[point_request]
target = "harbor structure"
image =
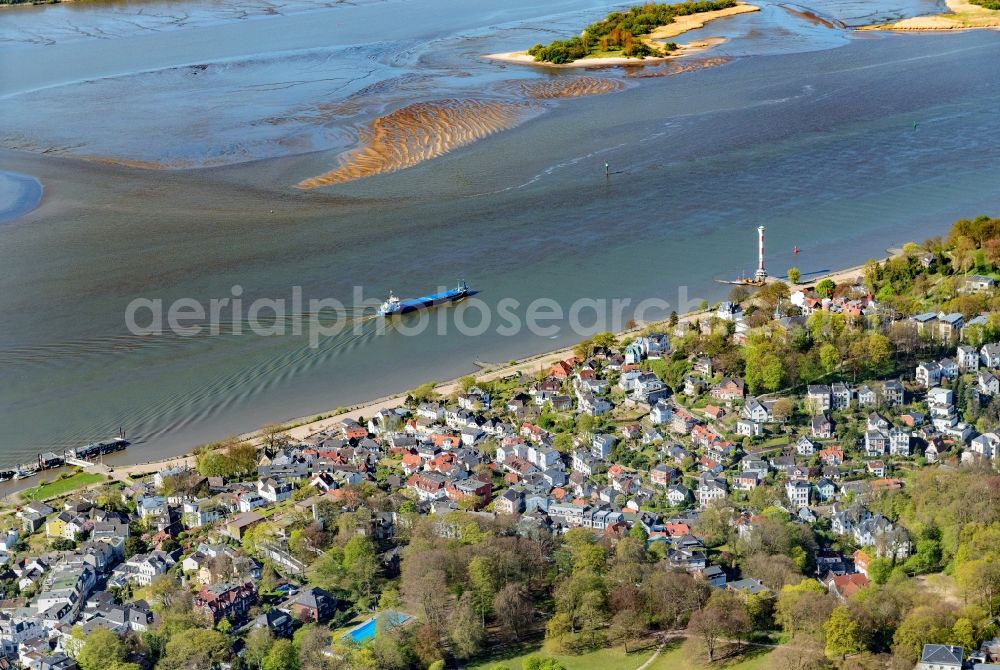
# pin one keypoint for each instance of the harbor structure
(761, 274)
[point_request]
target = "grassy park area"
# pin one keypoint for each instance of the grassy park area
(61, 486)
(675, 655)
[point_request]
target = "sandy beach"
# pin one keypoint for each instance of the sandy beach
(523, 58)
(561, 87)
(425, 130)
(963, 16)
(307, 426)
(656, 39)
(419, 132)
(683, 24)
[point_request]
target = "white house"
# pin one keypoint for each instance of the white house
(928, 374)
(989, 355)
(753, 410)
(949, 368)
(273, 490)
(899, 442)
(968, 358)
(678, 494)
(749, 428)
(986, 445)
(818, 397)
(988, 383)
(798, 492)
(841, 395)
(805, 447)
(661, 413)
(866, 396)
(710, 488)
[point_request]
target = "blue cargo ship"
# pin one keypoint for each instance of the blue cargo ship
(394, 305)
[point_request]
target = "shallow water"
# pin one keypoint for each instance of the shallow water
(19, 194)
(806, 129)
(199, 84)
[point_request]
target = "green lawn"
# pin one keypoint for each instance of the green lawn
(613, 658)
(62, 486)
(677, 657)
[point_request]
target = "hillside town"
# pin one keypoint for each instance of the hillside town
(779, 449)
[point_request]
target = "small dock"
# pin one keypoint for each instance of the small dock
(78, 462)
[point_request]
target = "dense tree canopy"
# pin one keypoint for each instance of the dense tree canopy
(622, 31)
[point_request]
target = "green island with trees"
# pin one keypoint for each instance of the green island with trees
(620, 33)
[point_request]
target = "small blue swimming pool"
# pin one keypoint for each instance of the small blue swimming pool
(366, 631)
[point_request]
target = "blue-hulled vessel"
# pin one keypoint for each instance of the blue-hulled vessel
(394, 305)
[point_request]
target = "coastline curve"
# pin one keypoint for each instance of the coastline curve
(20, 194)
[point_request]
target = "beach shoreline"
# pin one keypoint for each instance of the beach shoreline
(305, 426)
(963, 16)
(523, 58)
(656, 39)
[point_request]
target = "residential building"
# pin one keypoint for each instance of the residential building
(818, 397)
(989, 355)
(941, 657)
(899, 442)
(510, 501)
(949, 325)
(239, 524)
(805, 447)
(224, 601)
(841, 395)
(141, 569)
(755, 411)
(822, 427)
(928, 374)
(825, 489)
(968, 358)
(274, 491)
(866, 396)
(893, 393)
(798, 492)
(978, 283)
(987, 383)
(710, 488)
(730, 388)
(314, 604)
(678, 494)
(749, 428)
(279, 622)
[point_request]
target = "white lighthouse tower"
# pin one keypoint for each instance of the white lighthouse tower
(761, 274)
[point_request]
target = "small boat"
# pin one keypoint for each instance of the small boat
(5, 475)
(92, 451)
(24, 473)
(394, 305)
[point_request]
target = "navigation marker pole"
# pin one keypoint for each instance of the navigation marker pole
(607, 170)
(761, 274)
